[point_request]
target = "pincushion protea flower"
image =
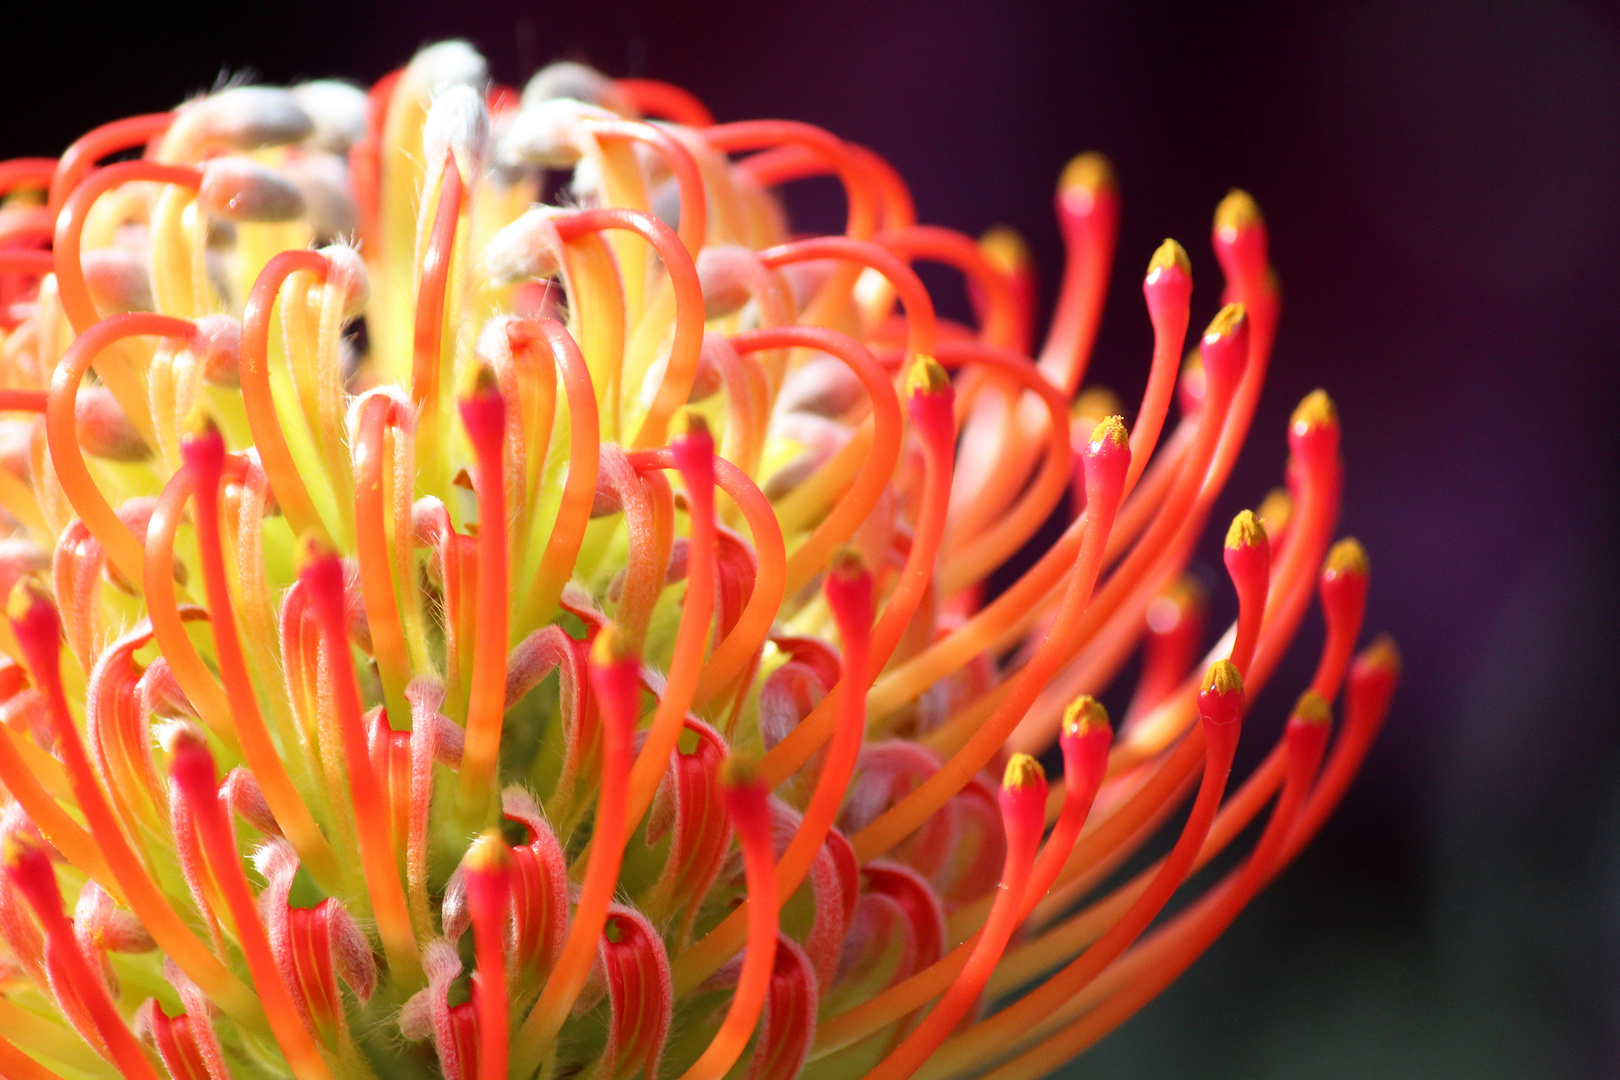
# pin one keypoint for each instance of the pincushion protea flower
(518, 638)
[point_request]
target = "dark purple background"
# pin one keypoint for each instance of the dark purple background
(1442, 182)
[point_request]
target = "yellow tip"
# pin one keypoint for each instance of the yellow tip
(1247, 530)
(738, 770)
(1095, 403)
(1226, 321)
(199, 422)
(927, 376)
(484, 380)
(1085, 713)
(15, 846)
(1382, 653)
(1023, 771)
(1313, 708)
(487, 852)
(1276, 510)
(314, 544)
(1170, 254)
(610, 647)
(847, 562)
(22, 598)
(687, 422)
(1237, 211)
(1006, 250)
(1222, 677)
(1346, 557)
(1090, 171)
(1112, 429)
(1316, 410)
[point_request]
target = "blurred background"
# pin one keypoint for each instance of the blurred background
(1442, 184)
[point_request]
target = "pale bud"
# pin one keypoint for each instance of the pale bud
(443, 65)
(323, 180)
(217, 346)
(567, 79)
(105, 430)
(527, 248)
(336, 109)
(723, 273)
(250, 117)
(457, 123)
(348, 272)
(547, 134)
(241, 189)
(119, 280)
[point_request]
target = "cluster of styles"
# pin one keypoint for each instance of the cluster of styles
(486, 599)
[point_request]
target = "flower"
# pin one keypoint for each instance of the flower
(486, 598)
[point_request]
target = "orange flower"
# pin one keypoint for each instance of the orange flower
(487, 599)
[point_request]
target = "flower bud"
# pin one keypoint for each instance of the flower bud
(1224, 349)
(575, 82)
(527, 248)
(1220, 695)
(249, 118)
(217, 345)
(442, 65)
(1168, 284)
(120, 280)
(241, 189)
(323, 182)
(337, 112)
(548, 134)
(723, 272)
(457, 125)
(346, 270)
(1313, 430)
(105, 431)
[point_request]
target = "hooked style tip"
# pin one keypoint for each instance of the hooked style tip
(1110, 433)
(487, 854)
(1022, 772)
(1383, 655)
(1006, 250)
(1169, 256)
(1276, 510)
(1237, 211)
(927, 376)
(1247, 530)
(1315, 412)
(1223, 679)
(1312, 708)
(1346, 557)
(1090, 171)
(1085, 713)
(1226, 323)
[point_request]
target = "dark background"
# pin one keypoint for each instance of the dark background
(1442, 183)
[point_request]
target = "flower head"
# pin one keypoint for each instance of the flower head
(487, 598)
